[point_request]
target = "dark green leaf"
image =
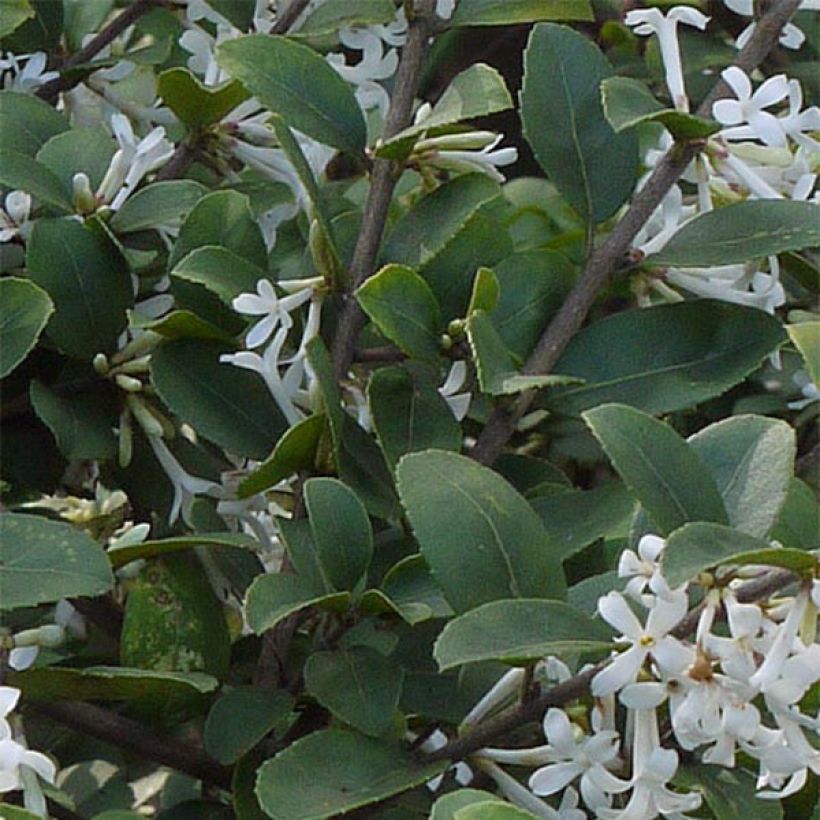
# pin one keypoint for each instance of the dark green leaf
(151, 549)
(295, 450)
(409, 414)
(355, 771)
(628, 102)
(196, 104)
(508, 12)
(447, 805)
(20, 171)
(486, 291)
(796, 526)
(404, 309)
(24, 312)
(27, 122)
(593, 167)
(228, 405)
(518, 631)
(665, 358)
(359, 686)
(333, 15)
(666, 475)
(435, 221)
(493, 810)
(13, 13)
(83, 17)
(86, 150)
(83, 425)
(806, 338)
(242, 717)
(729, 793)
(295, 82)
(182, 324)
(160, 203)
(341, 531)
(740, 232)
(479, 536)
(88, 280)
(220, 270)
(700, 546)
(413, 592)
(42, 561)
(271, 598)
(751, 459)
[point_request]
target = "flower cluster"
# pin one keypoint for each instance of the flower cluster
(731, 689)
(757, 154)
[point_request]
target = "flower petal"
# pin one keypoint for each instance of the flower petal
(616, 611)
(550, 779)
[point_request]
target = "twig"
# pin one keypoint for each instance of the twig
(289, 16)
(383, 181)
(132, 736)
(117, 26)
(604, 261)
(578, 686)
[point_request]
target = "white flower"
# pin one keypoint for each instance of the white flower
(737, 653)
(470, 152)
(14, 758)
(790, 37)
(8, 700)
(25, 78)
(797, 123)
(652, 639)
(459, 402)
(463, 773)
(653, 21)
(811, 394)
(186, 487)
(273, 310)
(747, 113)
(587, 758)
(14, 218)
(643, 569)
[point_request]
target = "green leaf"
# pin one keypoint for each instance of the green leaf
(628, 102)
(447, 805)
(108, 683)
(665, 358)
(576, 518)
(242, 717)
(696, 547)
(481, 539)
(509, 12)
(222, 218)
(81, 424)
(196, 104)
(20, 171)
(14, 812)
(295, 450)
(333, 15)
(228, 405)
(13, 13)
(806, 338)
(476, 92)
(728, 793)
(404, 309)
(341, 531)
(27, 122)
(173, 620)
(356, 771)
(486, 291)
(666, 475)
(88, 281)
(24, 311)
(83, 17)
(295, 82)
(271, 598)
(593, 167)
(533, 287)
(497, 373)
(740, 232)
(160, 203)
(359, 686)
(151, 549)
(493, 810)
(182, 324)
(751, 459)
(222, 271)
(518, 631)
(796, 526)
(409, 414)
(86, 150)
(434, 221)
(413, 592)
(42, 561)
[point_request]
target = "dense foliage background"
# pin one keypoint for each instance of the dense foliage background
(409, 409)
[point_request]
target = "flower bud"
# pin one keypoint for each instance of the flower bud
(146, 419)
(83, 197)
(128, 383)
(100, 363)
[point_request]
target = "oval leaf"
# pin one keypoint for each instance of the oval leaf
(482, 540)
(24, 311)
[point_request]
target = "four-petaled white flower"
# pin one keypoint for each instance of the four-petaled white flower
(275, 311)
(14, 218)
(25, 72)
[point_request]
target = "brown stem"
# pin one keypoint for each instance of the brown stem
(176, 166)
(578, 686)
(603, 262)
(383, 181)
(134, 737)
(289, 16)
(67, 79)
